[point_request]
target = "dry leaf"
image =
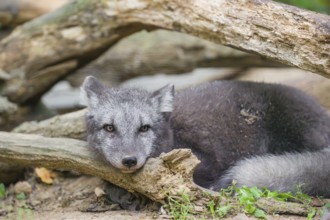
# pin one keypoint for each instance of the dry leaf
(99, 192)
(46, 176)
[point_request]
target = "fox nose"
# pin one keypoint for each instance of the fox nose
(129, 161)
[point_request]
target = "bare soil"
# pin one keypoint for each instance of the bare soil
(75, 197)
(67, 198)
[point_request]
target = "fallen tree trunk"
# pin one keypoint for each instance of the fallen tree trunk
(11, 115)
(167, 175)
(176, 53)
(14, 12)
(70, 125)
(170, 173)
(83, 29)
(136, 54)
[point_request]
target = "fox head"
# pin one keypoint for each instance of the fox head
(128, 125)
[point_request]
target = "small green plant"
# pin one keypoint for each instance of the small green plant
(23, 210)
(222, 211)
(299, 196)
(322, 6)
(211, 207)
(2, 191)
(20, 196)
(234, 199)
(247, 198)
(311, 213)
(180, 207)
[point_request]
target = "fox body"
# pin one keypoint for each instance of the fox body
(256, 133)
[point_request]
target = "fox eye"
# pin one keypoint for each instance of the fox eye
(144, 128)
(109, 128)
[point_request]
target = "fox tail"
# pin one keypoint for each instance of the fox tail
(308, 172)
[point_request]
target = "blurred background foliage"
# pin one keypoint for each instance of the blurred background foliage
(322, 6)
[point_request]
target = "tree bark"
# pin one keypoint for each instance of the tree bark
(136, 56)
(176, 53)
(70, 125)
(83, 29)
(272, 206)
(14, 12)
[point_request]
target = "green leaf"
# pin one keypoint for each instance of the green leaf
(245, 195)
(303, 198)
(322, 6)
(20, 196)
(246, 191)
(273, 194)
(284, 196)
(260, 214)
(311, 214)
(2, 190)
(250, 208)
(257, 193)
(211, 206)
(223, 210)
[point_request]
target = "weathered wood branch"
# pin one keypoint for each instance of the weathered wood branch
(82, 30)
(6, 107)
(272, 206)
(7, 111)
(170, 173)
(167, 175)
(70, 125)
(12, 115)
(176, 53)
(14, 12)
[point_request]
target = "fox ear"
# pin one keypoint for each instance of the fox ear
(90, 91)
(165, 96)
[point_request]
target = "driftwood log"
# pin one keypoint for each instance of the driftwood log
(170, 173)
(167, 175)
(161, 51)
(74, 35)
(14, 12)
(12, 115)
(136, 54)
(70, 125)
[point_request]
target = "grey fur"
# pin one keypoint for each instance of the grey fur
(224, 123)
(126, 200)
(127, 110)
(308, 171)
(326, 214)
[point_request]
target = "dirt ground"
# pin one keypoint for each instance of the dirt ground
(75, 197)
(67, 198)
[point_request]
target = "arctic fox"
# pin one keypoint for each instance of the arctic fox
(259, 134)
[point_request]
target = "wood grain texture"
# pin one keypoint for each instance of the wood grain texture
(171, 173)
(82, 30)
(70, 125)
